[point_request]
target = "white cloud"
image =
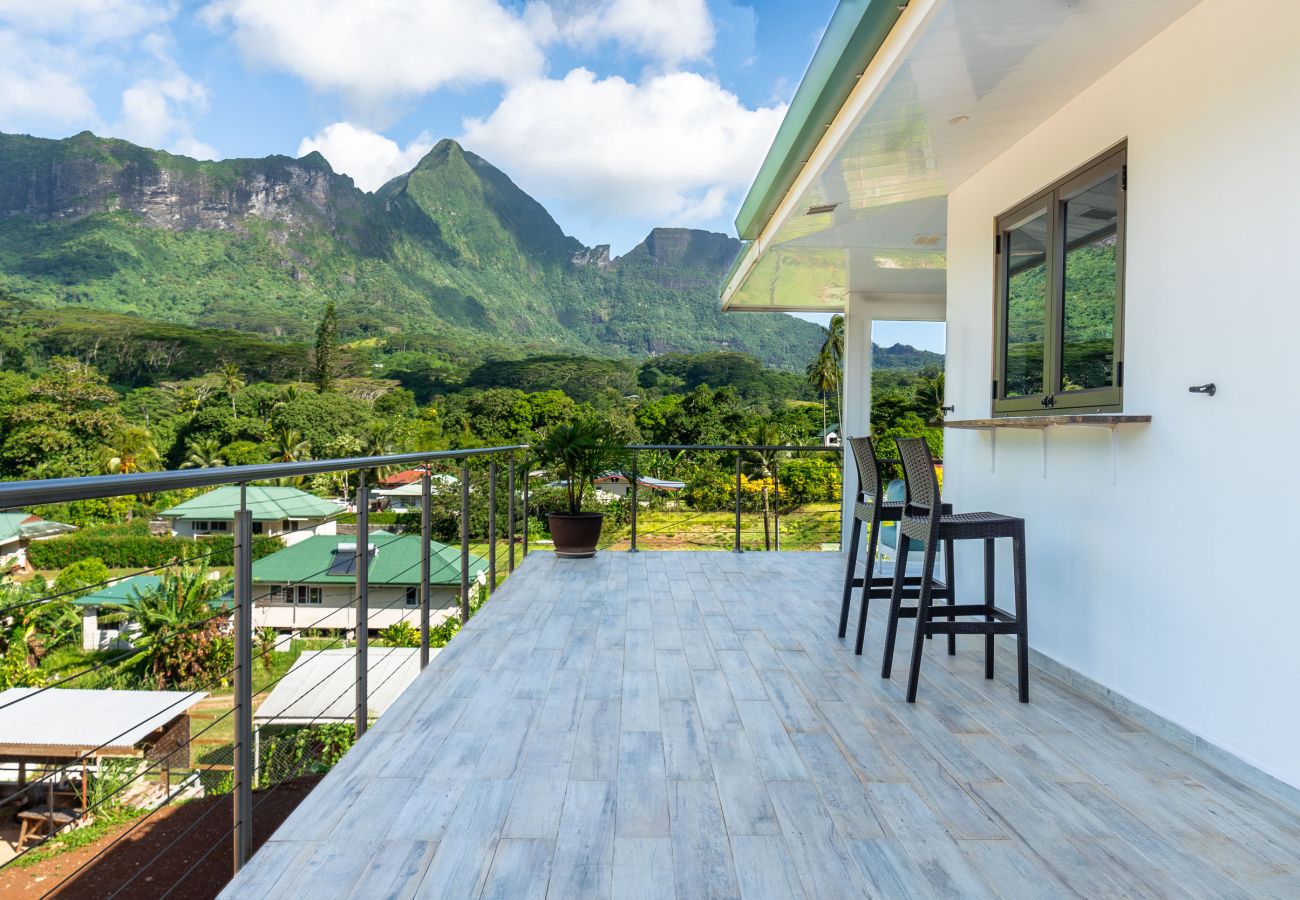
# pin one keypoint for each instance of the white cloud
(369, 157)
(88, 21)
(38, 90)
(670, 31)
(673, 149)
(158, 111)
(373, 52)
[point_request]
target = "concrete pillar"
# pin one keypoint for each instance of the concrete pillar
(90, 629)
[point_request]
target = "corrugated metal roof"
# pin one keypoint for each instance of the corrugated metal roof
(267, 503)
(321, 685)
(81, 719)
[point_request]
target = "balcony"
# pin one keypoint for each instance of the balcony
(687, 724)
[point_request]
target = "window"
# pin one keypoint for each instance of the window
(304, 594)
(277, 594)
(412, 596)
(1060, 289)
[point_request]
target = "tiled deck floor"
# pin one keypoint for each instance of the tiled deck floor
(687, 724)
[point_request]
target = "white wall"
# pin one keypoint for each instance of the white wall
(303, 529)
(1171, 586)
(387, 606)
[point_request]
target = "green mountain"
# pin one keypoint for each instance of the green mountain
(452, 250)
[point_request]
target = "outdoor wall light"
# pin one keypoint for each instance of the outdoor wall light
(1207, 389)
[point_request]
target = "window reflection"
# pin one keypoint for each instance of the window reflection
(1027, 293)
(1091, 286)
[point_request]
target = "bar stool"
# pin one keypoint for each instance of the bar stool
(925, 521)
(871, 508)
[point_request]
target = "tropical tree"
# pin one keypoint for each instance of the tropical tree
(763, 463)
(232, 381)
(824, 376)
(186, 642)
(128, 449)
(288, 445)
(929, 396)
(204, 453)
(327, 340)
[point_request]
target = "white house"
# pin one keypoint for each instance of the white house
(286, 512)
(312, 584)
(1096, 198)
(18, 529)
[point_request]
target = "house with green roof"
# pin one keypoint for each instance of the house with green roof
(312, 584)
(18, 529)
(286, 512)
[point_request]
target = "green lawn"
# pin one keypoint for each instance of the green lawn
(814, 526)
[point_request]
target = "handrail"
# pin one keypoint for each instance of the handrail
(734, 447)
(15, 494)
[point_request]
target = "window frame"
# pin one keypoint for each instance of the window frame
(411, 596)
(1053, 200)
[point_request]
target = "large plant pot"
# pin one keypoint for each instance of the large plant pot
(575, 537)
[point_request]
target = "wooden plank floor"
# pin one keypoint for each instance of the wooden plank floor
(688, 725)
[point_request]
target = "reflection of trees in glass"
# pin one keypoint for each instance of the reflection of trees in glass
(1088, 332)
(1026, 322)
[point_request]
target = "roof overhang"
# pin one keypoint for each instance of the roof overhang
(903, 102)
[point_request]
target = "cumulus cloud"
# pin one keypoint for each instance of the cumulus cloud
(37, 90)
(669, 31)
(89, 21)
(372, 53)
(159, 111)
(674, 148)
(369, 157)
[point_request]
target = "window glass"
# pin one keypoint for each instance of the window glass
(412, 596)
(1026, 313)
(315, 595)
(1091, 287)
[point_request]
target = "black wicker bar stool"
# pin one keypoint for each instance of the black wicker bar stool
(871, 509)
(925, 521)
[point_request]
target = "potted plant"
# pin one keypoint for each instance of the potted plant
(578, 451)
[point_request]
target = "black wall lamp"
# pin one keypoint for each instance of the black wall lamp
(1208, 389)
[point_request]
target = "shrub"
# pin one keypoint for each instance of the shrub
(809, 480)
(132, 546)
(400, 634)
(306, 751)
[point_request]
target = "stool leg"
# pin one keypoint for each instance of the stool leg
(922, 618)
(988, 604)
(867, 578)
(951, 579)
(1022, 619)
(895, 602)
(849, 571)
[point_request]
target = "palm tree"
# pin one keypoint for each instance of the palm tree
(288, 445)
(178, 628)
(204, 453)
(763, 462)
(824, 371)
(129, 449)
(232, 381)
(929, 396)
(824, 376)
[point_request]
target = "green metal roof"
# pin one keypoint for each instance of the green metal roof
(9, 522)
(396, 561)
(854, 35)
(268, 503)
(121, 593)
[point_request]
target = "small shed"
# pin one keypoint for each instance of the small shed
(57, 726)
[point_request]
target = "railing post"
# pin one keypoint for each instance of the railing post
(426, 538)
(243, 699)
(510, 516)
(776, 507)
(523, 553)
(737, 547)
(492, 526)
(464, 543)
(635, 478)
(363, 599)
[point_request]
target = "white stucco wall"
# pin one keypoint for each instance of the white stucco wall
(303, 529)
(1170, 586)
(387, 606)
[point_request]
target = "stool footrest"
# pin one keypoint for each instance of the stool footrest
(938, 610)
(938, 627)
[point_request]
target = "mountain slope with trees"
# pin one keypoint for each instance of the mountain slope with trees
(453, 250)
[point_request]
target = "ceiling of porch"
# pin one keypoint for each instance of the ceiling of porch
(956, 84)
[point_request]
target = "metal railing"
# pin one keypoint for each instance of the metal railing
(241, 612)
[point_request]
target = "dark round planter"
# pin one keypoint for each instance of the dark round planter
(575, 537)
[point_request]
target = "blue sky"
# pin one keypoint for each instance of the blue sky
(617, 115)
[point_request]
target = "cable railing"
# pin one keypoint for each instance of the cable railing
(221, 762)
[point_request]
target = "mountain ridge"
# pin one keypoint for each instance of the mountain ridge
(452, 248)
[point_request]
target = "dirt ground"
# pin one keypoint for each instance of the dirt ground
(74, 875)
